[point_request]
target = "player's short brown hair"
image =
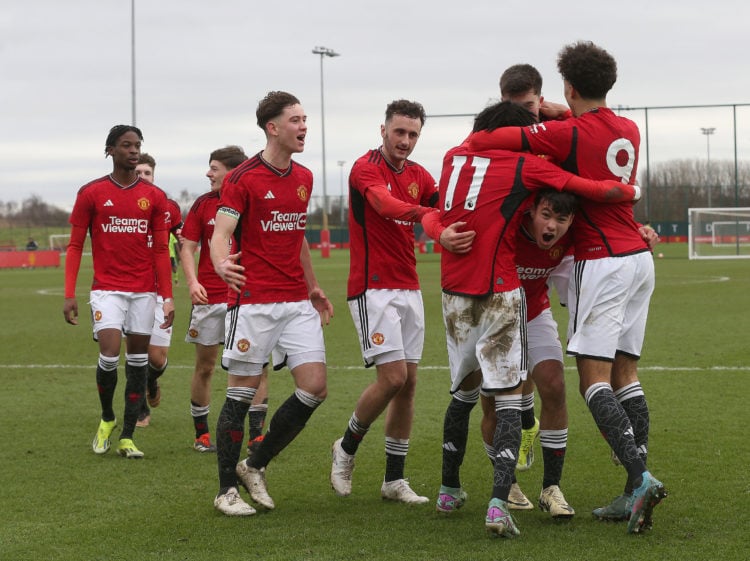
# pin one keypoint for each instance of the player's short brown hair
(272, 106)
(519, 79)
(230, 156)
(148, 159)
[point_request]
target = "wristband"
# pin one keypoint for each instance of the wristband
(167, 300)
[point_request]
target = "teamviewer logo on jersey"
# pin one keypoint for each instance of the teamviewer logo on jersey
(284, 221)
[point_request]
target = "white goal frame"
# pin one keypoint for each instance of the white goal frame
(703, 242)
(55, 239)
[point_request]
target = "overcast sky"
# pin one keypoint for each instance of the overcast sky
(201, 67)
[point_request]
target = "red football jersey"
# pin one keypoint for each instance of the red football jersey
(596, 145)
(120, 221)
(381, 250)
(174, 215)
(271, 206)
(535, 265)
(485, 190)
(199, 227)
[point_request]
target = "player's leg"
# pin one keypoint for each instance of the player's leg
(257, 414)
(206, 332)
(200, 395)
(550, 379)
(400, 413)
(242, 381)
(529, 426)
(301, 338)
(107, 317)
(136, 371)
(109, 341)
(379, 332)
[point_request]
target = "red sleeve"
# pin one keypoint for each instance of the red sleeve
(388, 206)
(432, 225)
(73, 259)
(162, 263)
(505, 138)
(606, 191)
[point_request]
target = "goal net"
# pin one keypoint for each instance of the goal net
(59, 242)
(719, 233)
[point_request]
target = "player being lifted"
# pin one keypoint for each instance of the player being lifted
(485, 313)
(614, 272)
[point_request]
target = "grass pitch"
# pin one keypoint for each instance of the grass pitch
(60, 501)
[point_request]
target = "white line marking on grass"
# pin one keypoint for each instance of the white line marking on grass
(189, 367)
(51, 291)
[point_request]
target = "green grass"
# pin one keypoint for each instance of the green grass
(62, 502)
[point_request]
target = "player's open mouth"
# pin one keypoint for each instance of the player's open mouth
(548, 237)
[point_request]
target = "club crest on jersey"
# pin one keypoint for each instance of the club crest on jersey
(243, 345)
(413, 190)
(378, 338)
(302, 193)
(555, 253)
(144, 203)
(97, 316)
(193, 332)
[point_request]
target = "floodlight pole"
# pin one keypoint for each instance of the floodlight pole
(132, 60)
(708, 131)
(325, 236)
(343, 193)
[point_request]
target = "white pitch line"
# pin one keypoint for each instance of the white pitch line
(330, 367)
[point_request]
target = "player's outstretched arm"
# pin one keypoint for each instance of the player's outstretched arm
(388, 206)
(606, 191)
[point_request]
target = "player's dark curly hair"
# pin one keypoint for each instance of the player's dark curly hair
(272, 106)
(407, 108)
(116, 132)
(591, 70)
(503, 114)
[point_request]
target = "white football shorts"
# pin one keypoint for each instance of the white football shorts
(608, 304)
(130, 312)
(254, 330)
(389, 324)
(487, 333)
(207, 324)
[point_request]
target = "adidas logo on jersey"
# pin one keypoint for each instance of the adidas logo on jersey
(109, 203)
(212, 222)
(269, 195)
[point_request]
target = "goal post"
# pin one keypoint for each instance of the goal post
(719, 233)
(59, 242)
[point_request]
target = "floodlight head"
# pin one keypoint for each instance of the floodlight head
(325, 51)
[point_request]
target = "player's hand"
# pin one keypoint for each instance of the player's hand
(70, 311)
(198, 294)
(550, 111)
(231, 272)
(321, 303)
(456, 241)
(168, 308)
(649, 236)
